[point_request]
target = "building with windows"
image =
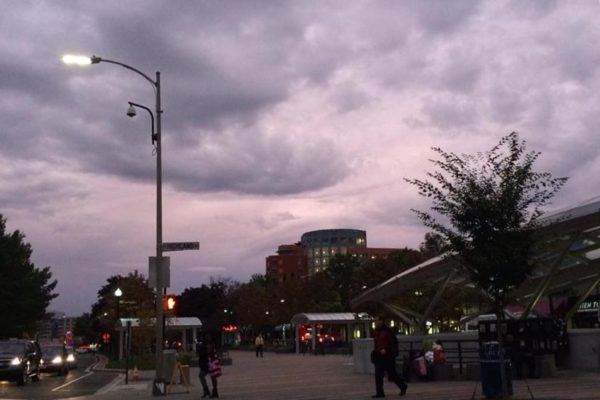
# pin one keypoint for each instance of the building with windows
(56, 325)
(320, 246)
(289, 263)
(315, 250)
(370, 253)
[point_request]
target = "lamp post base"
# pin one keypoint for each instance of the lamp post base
(159, 387)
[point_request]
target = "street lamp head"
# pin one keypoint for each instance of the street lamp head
(131, 111)
(75, 59)
(118, 292)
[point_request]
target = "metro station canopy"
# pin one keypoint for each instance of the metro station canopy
(570, 259)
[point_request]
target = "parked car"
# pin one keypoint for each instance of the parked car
(54, 358)
(20, 361)
(71, 357)
(84, 348)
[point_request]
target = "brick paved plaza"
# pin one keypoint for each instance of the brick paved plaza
(332, 377)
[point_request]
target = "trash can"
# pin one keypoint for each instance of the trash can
(169, 363)
(490, 364)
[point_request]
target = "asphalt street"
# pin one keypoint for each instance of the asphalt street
(81, 381)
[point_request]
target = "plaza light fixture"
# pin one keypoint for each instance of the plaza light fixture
(118, 294)
(156, 140)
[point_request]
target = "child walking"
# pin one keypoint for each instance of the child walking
(210, 365)
(214, 369)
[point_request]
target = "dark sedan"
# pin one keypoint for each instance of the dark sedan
(54, 359)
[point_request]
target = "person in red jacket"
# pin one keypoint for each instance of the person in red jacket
(385, 351)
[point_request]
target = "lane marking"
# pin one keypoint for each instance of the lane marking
(111, 385)
(91, 367)
(74, 380)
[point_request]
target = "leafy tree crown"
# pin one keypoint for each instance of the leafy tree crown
(490, 203)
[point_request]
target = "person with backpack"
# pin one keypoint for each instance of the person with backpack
(385, 351)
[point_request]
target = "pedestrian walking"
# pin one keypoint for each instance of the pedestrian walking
(384, 356)
(259, 343)
(206, 352)
(214, 369)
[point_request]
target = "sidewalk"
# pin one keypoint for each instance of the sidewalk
(332, 377)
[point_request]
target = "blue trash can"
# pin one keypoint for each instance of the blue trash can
(491, 380)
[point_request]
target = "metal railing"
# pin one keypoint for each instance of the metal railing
(456, 351)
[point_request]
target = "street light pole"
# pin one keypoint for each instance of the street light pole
(118, 294)
(159, 259)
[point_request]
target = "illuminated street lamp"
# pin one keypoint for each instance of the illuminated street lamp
(118, 294)
(282, 301)
(156, 138)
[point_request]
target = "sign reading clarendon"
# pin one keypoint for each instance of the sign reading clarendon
(180, 246)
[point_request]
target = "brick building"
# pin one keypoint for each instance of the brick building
(289, 263)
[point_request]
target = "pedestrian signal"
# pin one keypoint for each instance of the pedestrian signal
(169, 304)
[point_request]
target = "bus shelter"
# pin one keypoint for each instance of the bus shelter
(312, 328)
(188, 326)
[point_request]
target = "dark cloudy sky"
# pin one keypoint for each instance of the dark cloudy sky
(280, 117)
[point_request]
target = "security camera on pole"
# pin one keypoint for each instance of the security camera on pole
(160, 264)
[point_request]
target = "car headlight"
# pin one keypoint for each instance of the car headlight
(70, 358)
(57, 360)
(15, 361)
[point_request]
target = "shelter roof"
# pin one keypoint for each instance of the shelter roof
(330, 318)
(171, 322)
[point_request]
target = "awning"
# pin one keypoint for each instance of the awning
(330, 318)
(171, 322)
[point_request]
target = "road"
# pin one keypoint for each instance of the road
(79, 382)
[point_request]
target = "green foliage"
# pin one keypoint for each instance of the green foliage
(433, 245)
(206, 302)
(492, 202)
(137, 301)
(25, 291)
(185, 358)
(340, 270)
(84, 327)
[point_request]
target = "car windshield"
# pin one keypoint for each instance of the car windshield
(12, 348)
(52, 350)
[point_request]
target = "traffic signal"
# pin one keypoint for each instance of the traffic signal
(169, 304)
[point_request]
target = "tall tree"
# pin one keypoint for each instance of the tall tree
(25, 291)
(492, 202)
(206, 302)
(341, 269)
(249, 302)
(137, 301)
(433, 245)
(84, 328)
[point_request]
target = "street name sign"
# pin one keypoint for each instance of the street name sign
(180, 246)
